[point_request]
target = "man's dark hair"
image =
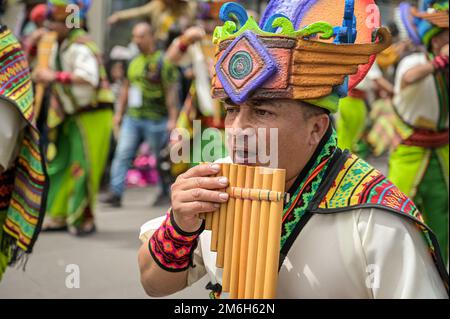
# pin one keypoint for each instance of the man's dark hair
(309, 110)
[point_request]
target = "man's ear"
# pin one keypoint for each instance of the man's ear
(319, 127)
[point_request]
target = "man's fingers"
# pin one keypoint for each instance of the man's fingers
(197, 208)
(211, 183)
(202, 195)
(202, 171)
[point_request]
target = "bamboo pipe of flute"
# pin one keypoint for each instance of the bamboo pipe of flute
(202, 216)
(208, 221)
(245, 230)
(253, 236)
(215, 221)
(237, 227)
(222, 224)
(262, 239)
(274, 238)
(209, 218)
(229, 233)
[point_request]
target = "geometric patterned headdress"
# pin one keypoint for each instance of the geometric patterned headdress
(422, 25)
(310, 50)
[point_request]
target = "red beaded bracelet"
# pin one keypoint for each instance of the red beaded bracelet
(63, 77)
(182, 47)
(440, 62)
(172, 248)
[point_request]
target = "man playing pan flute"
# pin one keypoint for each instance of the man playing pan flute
(347, 231)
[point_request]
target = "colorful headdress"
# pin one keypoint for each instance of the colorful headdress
(422, 25)
(291, 55)
(58, 9)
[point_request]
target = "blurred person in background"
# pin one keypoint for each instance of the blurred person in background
(30, 40)
(419, 166)
(147, 112)
(79, 121)
(382, 137)
(195, 51)
(353, 117)
(162, 15)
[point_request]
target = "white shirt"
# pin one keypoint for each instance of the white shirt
(363, 254)
(418, 103)
(11, 125)
(79, 60)
(374, 74)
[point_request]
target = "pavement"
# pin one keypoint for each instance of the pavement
(106, 262)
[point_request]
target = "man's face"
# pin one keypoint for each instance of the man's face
(297, 136)
(142, 37)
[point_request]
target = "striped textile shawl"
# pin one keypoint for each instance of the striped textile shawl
(24, 187)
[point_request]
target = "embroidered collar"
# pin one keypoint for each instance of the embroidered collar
(330, 137)
(305, 187)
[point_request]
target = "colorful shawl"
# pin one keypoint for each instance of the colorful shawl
(335, 181)
(23, 191)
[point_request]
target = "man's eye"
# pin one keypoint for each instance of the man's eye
(231, 111)
(262, 112)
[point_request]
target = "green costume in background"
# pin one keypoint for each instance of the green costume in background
(76, 172)
(423, 173)
(351, 122)
(419, 166)
(79, 145)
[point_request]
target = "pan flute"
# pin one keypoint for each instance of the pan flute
(246, 231)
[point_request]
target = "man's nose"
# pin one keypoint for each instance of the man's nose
(243, 126)
(242, 121)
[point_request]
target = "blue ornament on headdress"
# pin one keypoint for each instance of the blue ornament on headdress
(231, 11)
(346, 35)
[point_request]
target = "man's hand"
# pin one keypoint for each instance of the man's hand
(45, 76)
(113, 19)
(194, 34)
(195, 192)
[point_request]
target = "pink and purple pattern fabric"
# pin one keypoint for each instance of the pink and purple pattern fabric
(171, 247)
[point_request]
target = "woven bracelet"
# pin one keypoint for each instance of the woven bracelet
(172, 248)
